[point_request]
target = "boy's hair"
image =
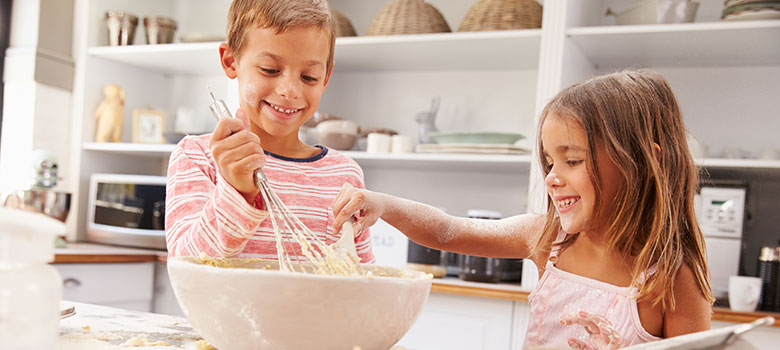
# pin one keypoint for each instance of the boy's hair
(281, 15)
(652, 218)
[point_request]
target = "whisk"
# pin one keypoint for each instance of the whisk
(324, 259)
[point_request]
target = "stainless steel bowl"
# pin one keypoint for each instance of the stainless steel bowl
(55, 204)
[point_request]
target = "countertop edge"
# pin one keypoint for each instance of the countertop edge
(95, 254)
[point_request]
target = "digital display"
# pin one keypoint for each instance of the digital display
(717, 202)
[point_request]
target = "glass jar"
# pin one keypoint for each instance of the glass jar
(768, 272)
(30, 288)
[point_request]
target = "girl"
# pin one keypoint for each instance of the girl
(619, 247)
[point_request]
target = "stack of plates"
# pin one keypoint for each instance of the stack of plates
(473, 142)
(741, 10)
(470, 148)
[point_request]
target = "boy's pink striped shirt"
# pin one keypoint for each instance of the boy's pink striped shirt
(206, 214)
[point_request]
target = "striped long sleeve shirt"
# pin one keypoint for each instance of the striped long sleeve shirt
(204, 213)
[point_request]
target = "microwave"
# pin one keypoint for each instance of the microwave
(127, 210)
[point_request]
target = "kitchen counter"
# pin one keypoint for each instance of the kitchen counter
(104, 328)
(85, 253)
(96, 327)
(97, 253)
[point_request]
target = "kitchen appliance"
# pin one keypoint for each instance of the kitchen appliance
(769, 273)
(721, 212)
(127, 210)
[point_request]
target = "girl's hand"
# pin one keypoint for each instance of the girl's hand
(237, 152)
(351, 201)
(600, 331)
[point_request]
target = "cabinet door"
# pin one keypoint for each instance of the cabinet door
(127, 285)
(164, 299)
(451, 322)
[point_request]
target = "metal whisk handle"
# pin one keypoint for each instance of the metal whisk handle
(260, 177)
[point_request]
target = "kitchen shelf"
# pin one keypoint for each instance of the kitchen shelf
(396, 160)
(747, 43)
(435, 160)
(495, 50)
(132, 149)
(739, 163)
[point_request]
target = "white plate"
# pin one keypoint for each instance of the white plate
(753, 15)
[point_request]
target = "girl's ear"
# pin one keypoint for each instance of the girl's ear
(657, 150)
(228, 60)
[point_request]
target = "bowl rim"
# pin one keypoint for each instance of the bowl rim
(190, 262)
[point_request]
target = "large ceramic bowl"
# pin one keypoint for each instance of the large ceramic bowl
(254, 306)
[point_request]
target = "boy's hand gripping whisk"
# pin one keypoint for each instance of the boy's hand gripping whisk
(324, 259)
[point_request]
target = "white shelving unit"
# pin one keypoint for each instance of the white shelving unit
(487, 81)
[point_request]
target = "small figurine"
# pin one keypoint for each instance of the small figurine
(109, 115)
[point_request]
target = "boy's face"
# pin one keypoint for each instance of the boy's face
(568, 182)
(281, 77)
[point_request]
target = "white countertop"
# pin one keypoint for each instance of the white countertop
(96, 327)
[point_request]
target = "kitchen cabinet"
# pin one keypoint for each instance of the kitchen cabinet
(164, 301)
(725, 74)
(124, 285)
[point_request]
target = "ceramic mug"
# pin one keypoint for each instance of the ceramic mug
(744, 292)
(378, 143)
(401, 144)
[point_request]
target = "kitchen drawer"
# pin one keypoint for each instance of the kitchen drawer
(128, 285)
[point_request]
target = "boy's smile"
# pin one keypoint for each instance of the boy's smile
(281, 78)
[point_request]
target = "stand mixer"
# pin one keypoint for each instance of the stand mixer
(40, 196)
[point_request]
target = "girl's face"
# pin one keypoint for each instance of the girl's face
(281, 78)
(568, 182)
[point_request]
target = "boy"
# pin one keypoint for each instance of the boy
(281, 51)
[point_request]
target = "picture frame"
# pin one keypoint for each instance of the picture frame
(148, 126)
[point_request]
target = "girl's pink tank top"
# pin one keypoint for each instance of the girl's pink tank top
(559, 293)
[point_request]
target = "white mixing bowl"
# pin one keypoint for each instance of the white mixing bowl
(255, 306)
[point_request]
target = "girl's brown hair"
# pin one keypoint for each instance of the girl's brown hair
(651, 220)
(281, 15)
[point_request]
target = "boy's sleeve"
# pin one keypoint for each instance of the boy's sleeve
(204, 213)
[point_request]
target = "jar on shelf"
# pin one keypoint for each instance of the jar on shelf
(31, 289)
(769, 273)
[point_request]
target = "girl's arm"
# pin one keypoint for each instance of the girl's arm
(692, 312)
(512, 237)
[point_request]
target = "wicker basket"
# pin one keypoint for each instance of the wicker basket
(502, 15)
(343, 25)
(408, 17)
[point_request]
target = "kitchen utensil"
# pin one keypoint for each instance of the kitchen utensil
(718, 338)
(254, 305)
(448, 137)
(769, 273)
(159, 30)
(290, 231)
(121, 27)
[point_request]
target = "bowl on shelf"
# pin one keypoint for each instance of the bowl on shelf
(449, 137)
(253, 305)
(337, 134)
